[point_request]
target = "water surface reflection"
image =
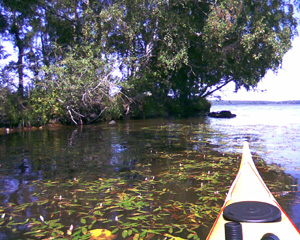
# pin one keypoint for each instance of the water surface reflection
(173, 168)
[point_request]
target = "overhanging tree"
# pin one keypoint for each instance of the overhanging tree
(191, 49)
(243, 40)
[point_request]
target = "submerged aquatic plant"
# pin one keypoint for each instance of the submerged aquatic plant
(147, 207)
(172, 192)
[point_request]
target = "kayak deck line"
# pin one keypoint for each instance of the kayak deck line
(262, 214)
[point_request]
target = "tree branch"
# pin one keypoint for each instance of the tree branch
(217, 88)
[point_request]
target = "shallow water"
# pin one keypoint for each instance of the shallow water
(168, 161)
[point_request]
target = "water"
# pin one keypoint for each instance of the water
(167, 160)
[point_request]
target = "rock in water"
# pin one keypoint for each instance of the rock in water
(221, 114)
(112, 122)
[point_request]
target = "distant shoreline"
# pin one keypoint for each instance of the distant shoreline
(237, 102)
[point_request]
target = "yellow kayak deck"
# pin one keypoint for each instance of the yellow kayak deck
(249, 186)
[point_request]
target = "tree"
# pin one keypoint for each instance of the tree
(171, 54)
(33, 27)
(82, 80)
(239, 42)
(243, 40)
(17, 18)
(190, 49)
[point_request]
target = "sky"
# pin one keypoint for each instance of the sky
(283, 86)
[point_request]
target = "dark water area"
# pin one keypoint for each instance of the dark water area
(152, 178)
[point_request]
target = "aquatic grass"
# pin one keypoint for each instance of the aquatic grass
(125, 207)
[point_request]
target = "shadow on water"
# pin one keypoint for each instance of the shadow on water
(144, 178)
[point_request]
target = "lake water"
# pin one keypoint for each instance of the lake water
(171, 173)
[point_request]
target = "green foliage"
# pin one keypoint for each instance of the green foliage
(3, 98)
(13, 110)
(193, 49)
(148, 107)
(189, 107)
(186, 49)
(44, 108)
(243, 40)
(82, 80)
(37, 109)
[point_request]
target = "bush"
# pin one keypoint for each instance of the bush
(12, 109)
(189, 107)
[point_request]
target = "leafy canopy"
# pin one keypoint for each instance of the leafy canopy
(170, 54)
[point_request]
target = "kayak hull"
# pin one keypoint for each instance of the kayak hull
(249, 186)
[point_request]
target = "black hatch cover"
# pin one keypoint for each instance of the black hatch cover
(253, 212)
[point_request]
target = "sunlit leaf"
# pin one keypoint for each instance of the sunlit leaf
(124, 233)
(101, 234)
(83, 220)
(84, 230)
(136, 236)
(173, 237)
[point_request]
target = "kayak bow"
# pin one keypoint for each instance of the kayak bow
(250, 211)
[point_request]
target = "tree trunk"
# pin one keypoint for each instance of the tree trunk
(20, 64)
